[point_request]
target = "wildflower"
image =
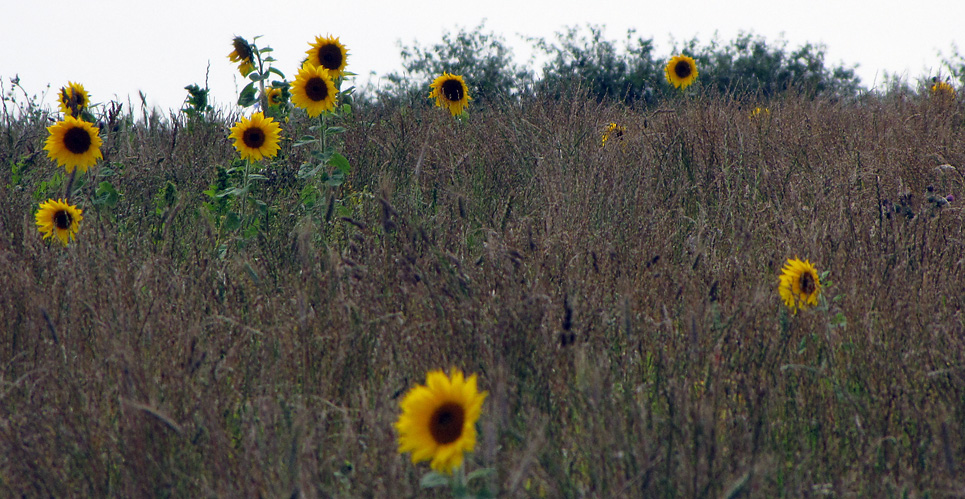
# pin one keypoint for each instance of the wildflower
(943, 89)
(328, 53)
(612, 130)
(799, 284)
(256, 138)
(438, 420)
(313, 90)
(450, 91)
(681, 71)
(74, 143)
(242, 54)
(73, 99)
(59, 219)
(759, 112)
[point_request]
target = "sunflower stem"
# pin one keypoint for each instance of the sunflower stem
(70, 185)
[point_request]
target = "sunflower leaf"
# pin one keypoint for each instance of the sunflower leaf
(339, 161)
(433, 479)
(305, 140)
(480, 473)
(247, 96)
(277, 72)
(232, 221)
(256, 176)
(333, 130)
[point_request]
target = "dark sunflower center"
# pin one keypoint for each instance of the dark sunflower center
(446, 423)
(316, 89)
(682, 69)
(808, 285)
(242, 48)
(77, 140)
(62, 219)
(452, 90)
(253, 137)
(330, 57)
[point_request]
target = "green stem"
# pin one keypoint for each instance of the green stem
(244, 195)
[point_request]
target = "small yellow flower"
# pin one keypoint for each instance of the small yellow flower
(438, 420)
(73, 99)
(313, 90)
(681, 71)
(613, 130)
(273, 95)
(328, 53)
(451, 92)
(256, 138)
(58, 219)
(759, 112)
(74, 143)
(799, 285)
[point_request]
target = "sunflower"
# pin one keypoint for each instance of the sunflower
(681, 71)
(799, 284)
(438, 420)
(256, 138)
(313, 90)
(274, 96)
(450, 91)
(57, 218)
(328, 53)
(613, 130)
(943, 89)
(74, 143)
(72, 99)
(242, 54)
(760, 112)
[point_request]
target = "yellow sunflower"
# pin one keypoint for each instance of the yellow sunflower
(74, 143)
(59, 219)
(313, 90)
(256, 138)
(438, 420)
(760, 112)
(450, 91)
(72, 99)
(613, 130)
(681, 71)
(943, 89)
(273, 95)
(799, 285)
(242, 54)
(328, 53)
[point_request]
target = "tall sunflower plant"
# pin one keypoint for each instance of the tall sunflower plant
(255, 64)
(317, 89)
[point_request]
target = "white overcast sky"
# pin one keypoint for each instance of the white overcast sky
(117, 47)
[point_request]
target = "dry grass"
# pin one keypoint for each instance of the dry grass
(620, 305)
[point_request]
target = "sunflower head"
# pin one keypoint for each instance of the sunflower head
(313, 90)
(681, 71)
(242, 54)
(451, 92)
(256, 138)
(274, 96)
(943, 89)
(74, 143)
(328, 53)
(799, 285)
(73, 99)
(613, 131)
(59, 219)
(438, 420)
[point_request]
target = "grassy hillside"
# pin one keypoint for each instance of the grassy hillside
(618, 303)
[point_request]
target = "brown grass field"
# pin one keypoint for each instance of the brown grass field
(619, 305)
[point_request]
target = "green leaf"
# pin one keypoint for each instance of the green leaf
(480, 473)
(256, 176)
(434, 479)
(309, 196)
(308, 170)
(323, 157)
(334, 130)
(247, 97)
(232, 221)
(106, 195)
(339, 161)
(277, 72)
(305, 140)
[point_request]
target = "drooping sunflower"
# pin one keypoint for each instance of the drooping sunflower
(438, 420)
(256, 138)
(74, 143)
(799, 285)
(72, 99)
(328, 53)
(451, 92)
(242, 54)
(613, 130)
(313, 90)
(681, 71)
(59, 219)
